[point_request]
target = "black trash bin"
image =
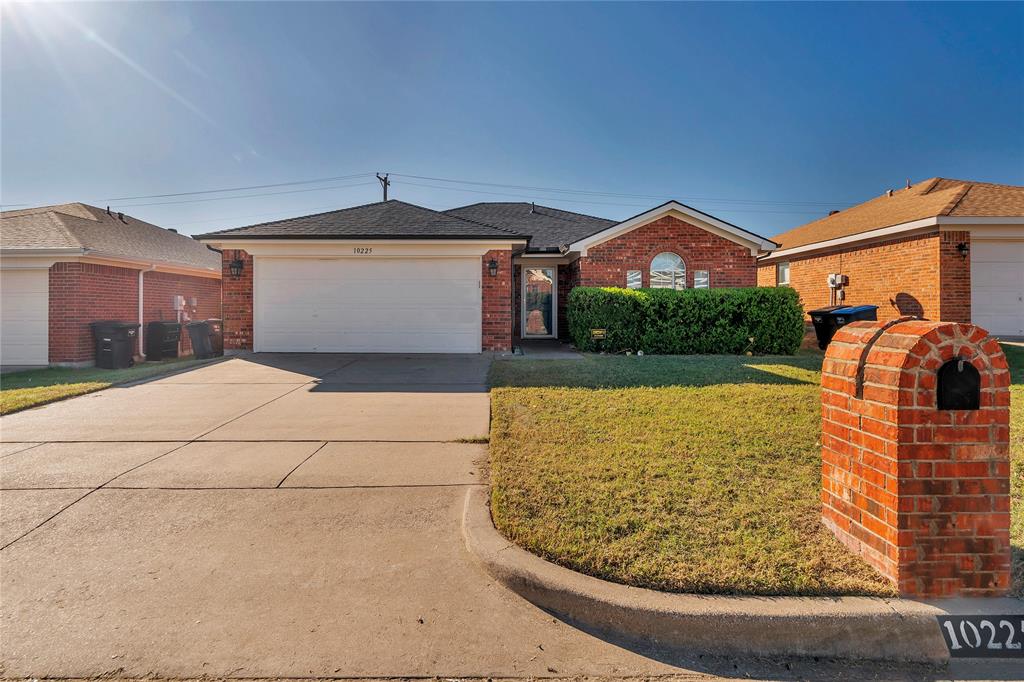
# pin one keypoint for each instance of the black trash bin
(827, 320)
(162, 340)
(216, 336)
(199, 332)
(115, 343)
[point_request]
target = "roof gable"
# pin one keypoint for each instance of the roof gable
(754, 242)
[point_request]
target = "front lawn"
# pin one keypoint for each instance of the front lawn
(21, 390)
(689, 474)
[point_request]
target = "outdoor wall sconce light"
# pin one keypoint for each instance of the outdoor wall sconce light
(963, 248)
(492, 268)
(236, 266)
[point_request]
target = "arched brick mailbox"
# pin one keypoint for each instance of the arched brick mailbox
(915, 454)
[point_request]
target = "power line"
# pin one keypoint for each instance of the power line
(237, 189)
(615, 194)
(557, 190)
(248, 196)
(251, 215)
(599, 203)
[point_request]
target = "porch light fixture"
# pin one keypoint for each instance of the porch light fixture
(492, 268)
(963, 248)
(236, 266)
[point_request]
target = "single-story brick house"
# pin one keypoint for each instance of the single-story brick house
(950, 250)
(394, 277)
(66, 266)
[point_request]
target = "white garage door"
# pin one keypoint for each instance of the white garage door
(997, 286)
(354, 305)
(24, 313)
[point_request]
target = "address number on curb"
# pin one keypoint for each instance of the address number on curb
(983, 636)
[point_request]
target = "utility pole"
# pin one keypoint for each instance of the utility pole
(385, 183)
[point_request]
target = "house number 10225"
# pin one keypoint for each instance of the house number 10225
(983, 636)
(362, 250)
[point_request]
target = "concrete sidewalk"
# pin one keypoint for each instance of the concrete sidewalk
(280, 516)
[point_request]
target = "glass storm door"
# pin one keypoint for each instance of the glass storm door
(538, 302)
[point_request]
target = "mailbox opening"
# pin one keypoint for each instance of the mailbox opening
(959, 386)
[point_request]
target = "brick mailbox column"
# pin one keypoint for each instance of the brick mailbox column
(915, 454)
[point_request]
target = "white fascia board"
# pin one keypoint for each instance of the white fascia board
(346, 241)
(1009, 228)
(15, 252)
(101, 258)
(379, 248)
(981, 227)
(704, 221)
(980, 220)
(545, 258)
(39, 258)
(871, 235)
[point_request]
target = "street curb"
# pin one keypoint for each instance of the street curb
(842, 627)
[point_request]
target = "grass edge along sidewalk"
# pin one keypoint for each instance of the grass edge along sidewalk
(696, 474)
(34, 387)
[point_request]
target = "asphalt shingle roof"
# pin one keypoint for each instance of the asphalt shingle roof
(391, 219)
(91, 229)
(928, 199)
(549, 228)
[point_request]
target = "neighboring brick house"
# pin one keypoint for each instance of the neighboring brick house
(942, 249)
(394, 277)
(66, 266)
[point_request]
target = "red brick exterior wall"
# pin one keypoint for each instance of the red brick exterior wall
(729, 264)
(921, 493)
(565, 285)
(160, 288)
(497, 301)
(954, 278)
(236, 298)
(923, 276)
(81, 293)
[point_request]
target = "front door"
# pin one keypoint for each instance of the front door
(540, 289)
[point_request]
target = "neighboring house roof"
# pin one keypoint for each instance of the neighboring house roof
(80, 229)
(932, 198)
(390, 219)
(549, 228)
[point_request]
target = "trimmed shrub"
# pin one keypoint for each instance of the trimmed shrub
(691, 321)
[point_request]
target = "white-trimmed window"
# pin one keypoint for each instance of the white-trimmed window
(701, 279)
(782, 274)
(668, 271)
(634, 279)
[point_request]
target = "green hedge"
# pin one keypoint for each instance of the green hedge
(691, 321)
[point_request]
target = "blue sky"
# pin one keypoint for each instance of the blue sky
(766, 115)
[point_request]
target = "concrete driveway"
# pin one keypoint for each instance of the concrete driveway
(271, 516)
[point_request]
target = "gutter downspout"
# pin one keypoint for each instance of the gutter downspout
(142, 324)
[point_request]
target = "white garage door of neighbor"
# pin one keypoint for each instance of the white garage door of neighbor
(24, 316)
(997, 286)
(354, 305)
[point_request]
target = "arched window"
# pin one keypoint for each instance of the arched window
(668, 271)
